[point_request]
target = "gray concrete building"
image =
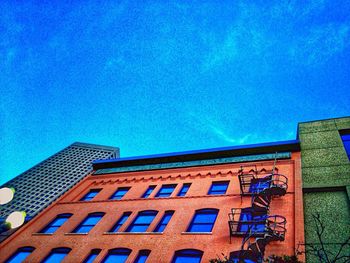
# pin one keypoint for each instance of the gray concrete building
(42, 184)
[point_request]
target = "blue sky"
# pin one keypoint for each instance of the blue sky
(162, 76)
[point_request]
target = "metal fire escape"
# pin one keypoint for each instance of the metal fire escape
(254, 223)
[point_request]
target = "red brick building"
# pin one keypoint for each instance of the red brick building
(244, 202)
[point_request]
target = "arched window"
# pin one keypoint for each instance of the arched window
(89, 222)
(164, 221)
(142, 256)
(142, 221)
(92, 256)
(117, 255)
(203, 220)
(20, 255)
(187, 256)
(120, 222)
(57, 255)
(56, 223)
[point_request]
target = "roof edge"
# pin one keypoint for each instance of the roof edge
(249, 149)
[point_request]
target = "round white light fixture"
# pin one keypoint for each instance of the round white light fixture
(15, 219)
(6, 195)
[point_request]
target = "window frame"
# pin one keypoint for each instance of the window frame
(164, 186)
(121, 221)
(83, 223)
(117, 251)
(86, 198)
(143, 252)
(53, 221)
(57, 251)
(259, 184)
(188, 253)
(167, 214)
(139, 214)
(345, 138)
(94, 252)
(151, 189)
(218, 192)
(247, 221)
(183, 191)
(116, 196)
(20, 250)
(200, 212)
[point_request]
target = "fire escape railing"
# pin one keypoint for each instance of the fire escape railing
(254, 223)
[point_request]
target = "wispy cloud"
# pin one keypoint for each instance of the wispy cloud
(320, 44)
(216, 129)
(222, 53)
(268, 31)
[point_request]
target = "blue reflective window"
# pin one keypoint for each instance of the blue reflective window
(218, 188)
(90, 195)
(187, 256)
(119, 193)
(89, 222)
(164, 221)
(257, 185)
(142, 256)
(237, 260)
(148, 191)
(57, 255)
(184, 190)
(92, 256)
(345, 136)
(20, 255)
(119, 255)
(251, 222)
(142, 221)
(203, 220)
(166, 190)
(56, 223)
(120, 222)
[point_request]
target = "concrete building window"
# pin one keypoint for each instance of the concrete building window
(56, 223)
(57, 255)
(142, 221)
(345, 136)
(89, 222)
(164, 221)
(187, 256)
(184, 190)
(203, 220)
(218, 188)
(121, 221)
(90, 195)
(118, 255)
(166, 190)
(20, 255)
(121, 191)
(148, 191)
(92, 256)
(142, 256)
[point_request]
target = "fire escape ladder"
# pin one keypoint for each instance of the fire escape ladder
(258, 226)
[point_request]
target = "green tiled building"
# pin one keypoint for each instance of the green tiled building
(326, 181)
